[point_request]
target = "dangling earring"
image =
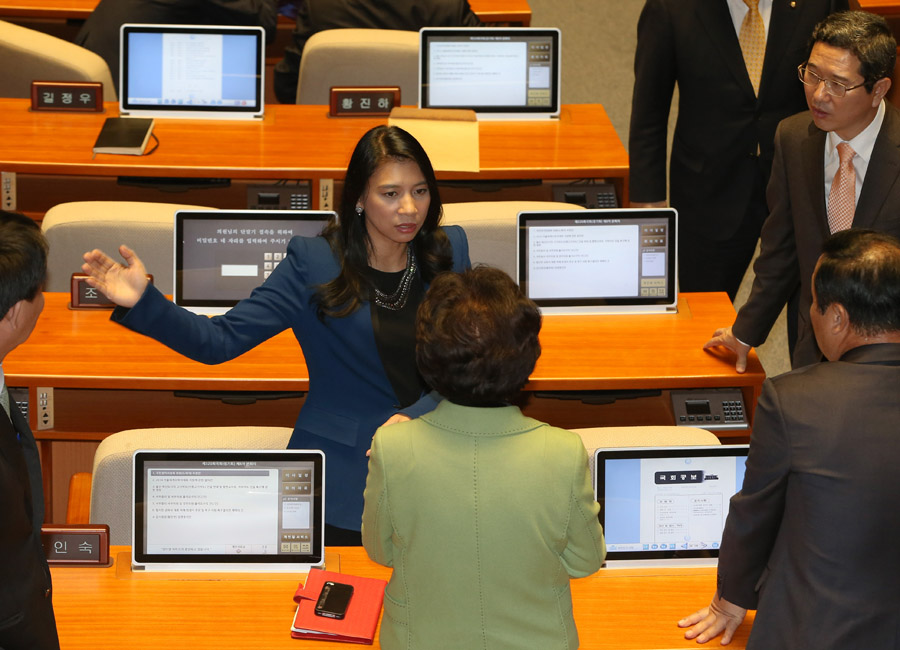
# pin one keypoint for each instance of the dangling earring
(359, 209)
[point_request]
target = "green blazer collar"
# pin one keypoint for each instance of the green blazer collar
(480, 421)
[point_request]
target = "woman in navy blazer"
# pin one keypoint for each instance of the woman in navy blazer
(349, 295)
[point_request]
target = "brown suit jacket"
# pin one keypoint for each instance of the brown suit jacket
(810, 540)
(797, 226)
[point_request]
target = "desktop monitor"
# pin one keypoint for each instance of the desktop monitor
(228, 510)
(221, 256)
(501, 73)
(192, 71)
(666, 504)
(599, 261)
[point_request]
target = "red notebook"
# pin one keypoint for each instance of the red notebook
(360, 620)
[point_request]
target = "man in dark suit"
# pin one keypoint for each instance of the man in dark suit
(810, 540)
(317, 15)
(845, 80)
(723, 142)
(26, 610)
(100, 32)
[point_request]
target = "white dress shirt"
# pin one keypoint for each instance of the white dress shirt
(862, 145)
(738, 9)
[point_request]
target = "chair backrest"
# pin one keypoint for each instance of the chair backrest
(111, 484)
(359, 57)
(80, 226)
(28, 55)
(492, 228)
(595, 438)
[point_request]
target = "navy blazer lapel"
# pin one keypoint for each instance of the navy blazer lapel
(782, 25)
(882, 172)
(716, 20)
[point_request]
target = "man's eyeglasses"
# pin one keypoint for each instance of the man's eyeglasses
(833, 88)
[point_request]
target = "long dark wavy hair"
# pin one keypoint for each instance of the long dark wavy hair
(349, 238)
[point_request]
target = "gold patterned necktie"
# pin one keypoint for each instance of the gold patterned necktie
(842, 197)
(752, 38)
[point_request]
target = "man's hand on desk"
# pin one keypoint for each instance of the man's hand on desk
(123, 284)
(723, 337)
(721, 617)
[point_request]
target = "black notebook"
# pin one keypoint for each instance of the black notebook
(125, 135)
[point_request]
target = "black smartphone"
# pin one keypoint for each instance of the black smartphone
(334, 599)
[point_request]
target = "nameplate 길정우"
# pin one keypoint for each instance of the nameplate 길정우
(77, 96)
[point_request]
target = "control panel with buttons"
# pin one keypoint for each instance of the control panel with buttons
(710, 408)
(283, 196)
(590, 195)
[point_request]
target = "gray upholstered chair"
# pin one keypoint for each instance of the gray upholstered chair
(492, 228)
(28, 55)
(359, 57)
(80, 226)
(595, 438)
(111, 480)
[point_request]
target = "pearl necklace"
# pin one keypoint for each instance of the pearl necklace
(397, 300)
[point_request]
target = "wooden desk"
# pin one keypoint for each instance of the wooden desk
(84, 350)
(890, 9)
(105, 378)
(514, 12)
(887, 8)
(614, 609)
(290, 143)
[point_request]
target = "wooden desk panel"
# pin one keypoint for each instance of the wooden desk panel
(489, 11)
(106, 378)
(505, 12)
(621, 610)
(881, 7)
(300, 142)
(84, 349)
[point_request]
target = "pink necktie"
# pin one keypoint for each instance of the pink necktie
(842, 198)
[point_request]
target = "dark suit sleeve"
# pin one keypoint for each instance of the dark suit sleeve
(654, 83)
(245, 12)
(467, 17)
(271, 308)
(755, 512)
(776, 268)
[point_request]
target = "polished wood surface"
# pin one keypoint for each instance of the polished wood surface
(489, 11)
(882, 7)
(84, 349)
(509, 12)
(107, 607)
(106, 378)
(300, 142)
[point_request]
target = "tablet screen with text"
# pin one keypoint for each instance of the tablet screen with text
(221, 256)
(237, 509)
(599, 260)
(666, 503)
(197, 71)
(510, 72)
